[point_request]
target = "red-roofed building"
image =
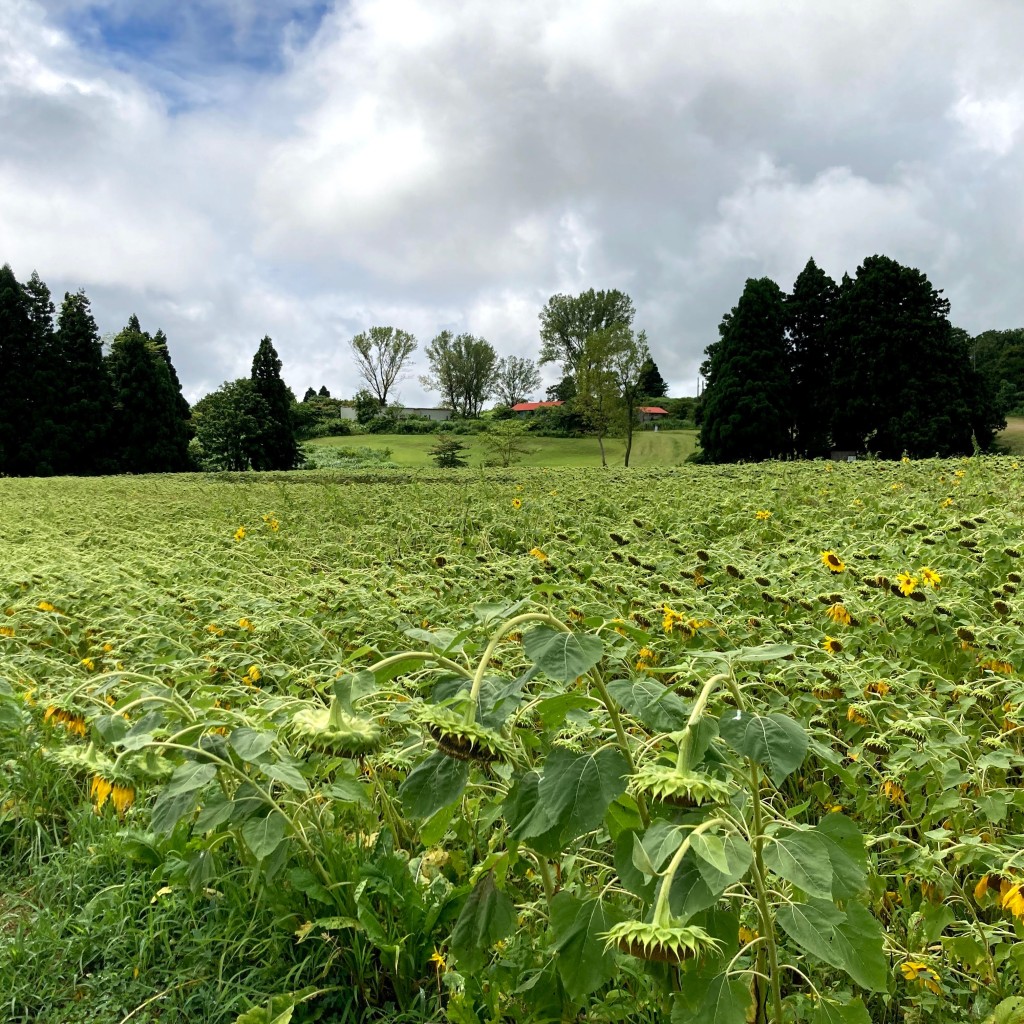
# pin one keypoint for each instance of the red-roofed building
(524, 408)
(651, 413)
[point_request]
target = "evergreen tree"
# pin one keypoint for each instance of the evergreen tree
(904, 380)
(82, 418)
(149, 434)
(808, 309)
(746, 400)
(310, 394)
(44, 386)
(279, 450)
(17, 377)
(652, 384)
(232, 424)
(159, 346)
(323, 392)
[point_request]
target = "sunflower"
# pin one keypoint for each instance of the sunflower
(763, 514)
(240, 533)
(838, 614)
(538, 554)
(906, 583)
(929, 577)
(832, 645)
(832, 561)
(667, 943)
(516, 503)
(924, 975)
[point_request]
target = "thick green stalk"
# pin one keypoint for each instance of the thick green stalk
(661, 914)
(696, 713)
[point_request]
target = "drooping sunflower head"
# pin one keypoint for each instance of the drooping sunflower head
(335, 731)
(466, 741)
(671, 785)
(666, 943)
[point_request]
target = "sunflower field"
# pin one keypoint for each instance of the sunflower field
(710, 745)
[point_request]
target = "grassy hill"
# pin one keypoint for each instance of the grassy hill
(1013, 435)
(664, 448)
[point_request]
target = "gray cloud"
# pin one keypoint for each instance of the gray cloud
(454, 165)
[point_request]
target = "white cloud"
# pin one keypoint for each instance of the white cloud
(453, 165)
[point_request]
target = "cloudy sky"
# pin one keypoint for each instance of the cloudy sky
(308, 168)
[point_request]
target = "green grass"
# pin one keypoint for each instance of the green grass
(650, 449)
(1013, 435)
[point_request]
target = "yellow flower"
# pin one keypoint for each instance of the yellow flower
(645, 658)
(923, 975)
(253, 675)
(271, 520)
(929, 577)
(853, 715)
(894, 792)
(214, 629)
(438, 960)
(832, 561)
(240, 533)
(832, 645)
(6, 631)
(838, 614)
(946, 503)
(99, 791)
(516, 503)
(906, 583)
(879, 688)
(763, 514)
(122, 796)
(45, 606)
(538, 554)
(90, 665)
(671, 619)
(107, 648)
(246, 624)
(1011, 898)
(982, 887)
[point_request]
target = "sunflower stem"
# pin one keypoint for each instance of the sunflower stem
(697, 712)
(661, 915)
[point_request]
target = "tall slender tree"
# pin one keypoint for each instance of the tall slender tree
(652, 384)
(82, 417)
(746, 400)
(278, 450)
(515, 379)
(381, 354)
(808, 310)
(17, 377)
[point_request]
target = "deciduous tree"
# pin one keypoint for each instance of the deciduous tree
(567, 321)
(462, 369)
(381, 354)
(515, 379)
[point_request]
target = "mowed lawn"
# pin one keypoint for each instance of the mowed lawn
(664, 448)
(1013, 435)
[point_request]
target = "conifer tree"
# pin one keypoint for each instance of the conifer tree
(82, 417)
(149, 434)
(745, 412)
(17, 377)
(808, 308)
(652, 384)
(279, 450)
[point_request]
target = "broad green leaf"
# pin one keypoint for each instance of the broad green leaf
(628, 853)
(745, 655)
(576, 789)
(433, 829)
(801, 856)
(853, 1012)
(528, 818)
(732, 863)
(286, 773)
(563, 657)
(846, 854)
(263, 835)
(651, 703)
(487, 916)
(170, 808)
(189, 776)
(710, 849)
(353, 686)
(553, 710)
(711, 998)
(578, 926)
(658, 844)
(775, 741)
(215, 811)
(1009, 1011)
(499, 698)
(851, 941)
(690, 894)
(435, 782)
(249, 744)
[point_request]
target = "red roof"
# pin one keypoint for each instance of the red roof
(654, 410)
(530, 406)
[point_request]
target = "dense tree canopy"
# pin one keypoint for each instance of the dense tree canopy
(746, 400)
(462, 370)
(567, 321)
(652, 384)
(278, 449)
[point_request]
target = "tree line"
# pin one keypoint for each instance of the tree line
(871, 364)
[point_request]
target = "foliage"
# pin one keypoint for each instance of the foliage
(652, 384)
(541, 746)
(515, 379)
(447, 453)
(381, 354)
(567, 321)
(320, 416)
(505, 442)
(462, 370)
(810, 337)
(999, 357)
(746, 399)
(232, 427)
(278, 449)
(367, 406)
